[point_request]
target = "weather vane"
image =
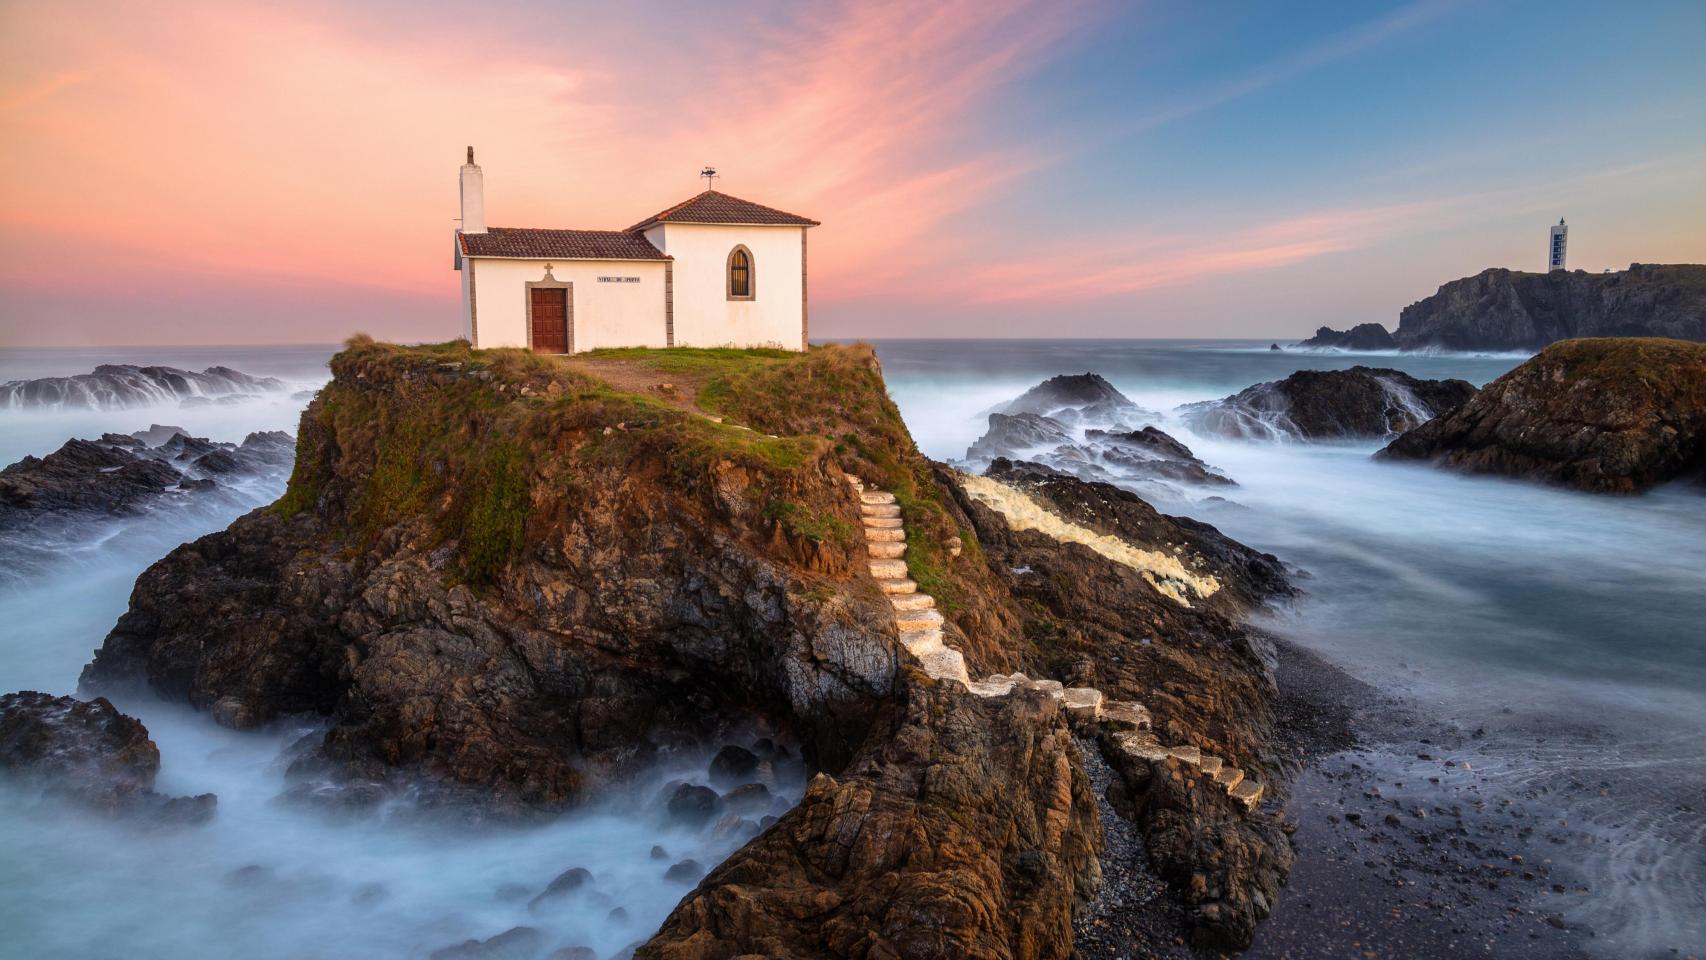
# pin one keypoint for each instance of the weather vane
(710, 175)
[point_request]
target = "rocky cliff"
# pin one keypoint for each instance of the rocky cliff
(1609, 415)
(506, 580)
(1502, 309)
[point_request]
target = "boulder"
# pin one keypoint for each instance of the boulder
(733, 765)
(1605, 415)
(1356, 404)
(88, 753)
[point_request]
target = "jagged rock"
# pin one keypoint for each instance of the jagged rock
(1084, 398)
(1359, 403)
(1152, 454)
(1012, 435)
(964, 812)
(1362, 337)
(1510, 310)
(121, 385)
(90, 754)
(1608, 415)
(118, 475)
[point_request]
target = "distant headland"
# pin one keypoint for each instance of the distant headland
(1499, 309)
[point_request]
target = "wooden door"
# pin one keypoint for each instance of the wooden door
(550, 318)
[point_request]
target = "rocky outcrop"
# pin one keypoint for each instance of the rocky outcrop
(1510, 310)
(120, 386)
(1356, 404)
(89, 754)
(1607, 415)
(1360, 338)
(505, 583)
(1205, 680)
(964, 831)
(1088, 433)
(119, 475)
(1082, 398)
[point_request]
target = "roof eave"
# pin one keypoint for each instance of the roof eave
(503, 256)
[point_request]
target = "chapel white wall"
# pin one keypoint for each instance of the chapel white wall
(605, 314)
(704, 315)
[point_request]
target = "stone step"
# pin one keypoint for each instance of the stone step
(1210, 765)
(1141, 744)
(946, 664)
(1228, 777)
(885, 551)
(885, 523)
(996, 686)
(922, 642)
(917, 619)
(1082, 703)
(914, 601)
(1190, 755)
(855, 481)
(897, 586)
(1054, 688)
(876, 496)
(1126, 714)
(888, 569)
(1249, 793)
(880, 510)
(885, 534)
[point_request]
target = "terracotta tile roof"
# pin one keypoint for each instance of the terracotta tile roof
(714, 207)
(535, 244)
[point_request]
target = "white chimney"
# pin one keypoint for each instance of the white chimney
(473, 197)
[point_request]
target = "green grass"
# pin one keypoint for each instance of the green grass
(467, 439)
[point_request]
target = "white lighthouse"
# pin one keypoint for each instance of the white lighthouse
(1555, 249)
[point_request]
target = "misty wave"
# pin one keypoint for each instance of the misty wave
(122, 386)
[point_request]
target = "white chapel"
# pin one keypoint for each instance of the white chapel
(711, 271)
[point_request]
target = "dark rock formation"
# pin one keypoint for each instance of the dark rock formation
(1207, 680)
(1082, 398)
(1510, 310)
(1152, 454)
(963, 831)
(88, 753)
(1110, 449)
(1608, 415)
(122, 385)
(1359, 403)
(1249, 577)
(1014, 434)
(119, 475)
(1362, 337)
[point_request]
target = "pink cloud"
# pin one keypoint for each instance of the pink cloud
(244, 139)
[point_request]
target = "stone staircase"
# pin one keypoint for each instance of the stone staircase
(920, 627)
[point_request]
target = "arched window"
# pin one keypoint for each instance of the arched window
(741, 284)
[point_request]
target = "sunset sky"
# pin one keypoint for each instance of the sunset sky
(270, 173)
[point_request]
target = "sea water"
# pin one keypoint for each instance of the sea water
(1569, 626)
